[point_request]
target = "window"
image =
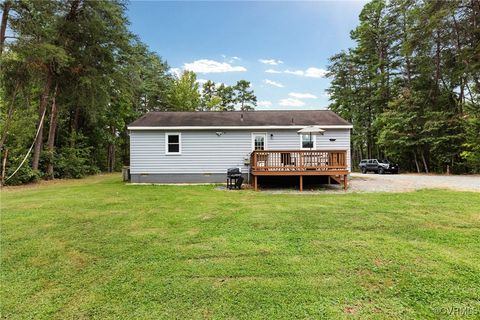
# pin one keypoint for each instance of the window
(307, 141)
(173, 143)
(259, 141)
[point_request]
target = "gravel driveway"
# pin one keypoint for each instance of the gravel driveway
(371, 182)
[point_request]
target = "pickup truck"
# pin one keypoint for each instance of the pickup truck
(378, 166)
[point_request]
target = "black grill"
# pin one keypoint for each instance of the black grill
(234, 178)
(233, 172)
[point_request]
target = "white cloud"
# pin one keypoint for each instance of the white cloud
(272, 71)
(212, 66)
(234, 59)
(271, 62)
(264, 103)
(201, 81)
(299, 95)
(311, 72)
(295, 72)
(315, 72)
(273, 83)
(291, 102)
(176, 72)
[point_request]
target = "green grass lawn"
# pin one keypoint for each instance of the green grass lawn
(96, 248)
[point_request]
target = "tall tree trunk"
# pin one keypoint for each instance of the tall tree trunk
(8, 120)
(416, 162)
(3, 27)
(111, 156)
(424, 161)
(37, 149)
(51, 133)
(437, 62)
(126, 148)
(72, 14)
(111, 151)
(461, 97)
(4, 167)
(407, 55)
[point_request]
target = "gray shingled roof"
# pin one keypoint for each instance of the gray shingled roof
(238, 118)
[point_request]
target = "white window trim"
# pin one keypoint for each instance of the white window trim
(265, 147)
(314, 139)
(179, 134)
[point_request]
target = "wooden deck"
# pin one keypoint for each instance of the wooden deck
(299, 163)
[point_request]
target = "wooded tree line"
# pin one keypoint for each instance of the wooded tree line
(72, 71)
(411, 84)
(186, 95)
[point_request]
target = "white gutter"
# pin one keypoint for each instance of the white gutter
(236, 127)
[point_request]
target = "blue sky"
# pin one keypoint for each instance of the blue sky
(282, 48)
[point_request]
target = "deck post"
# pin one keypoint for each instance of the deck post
(329, 180)
(255, 184)
(301, 183)
(345, 182)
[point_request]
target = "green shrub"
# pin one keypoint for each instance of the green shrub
(24, 175)
(74, 162)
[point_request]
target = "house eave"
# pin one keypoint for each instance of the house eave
(234, 127)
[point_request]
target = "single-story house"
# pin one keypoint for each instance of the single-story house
(196, 147)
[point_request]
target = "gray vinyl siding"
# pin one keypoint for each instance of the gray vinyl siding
(342, 142)
(204, 152)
